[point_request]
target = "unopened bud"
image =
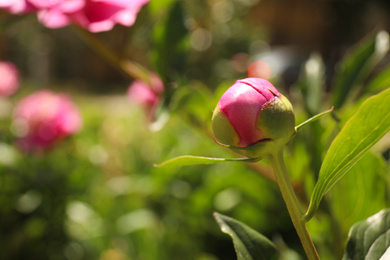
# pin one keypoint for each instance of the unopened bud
(253, 118)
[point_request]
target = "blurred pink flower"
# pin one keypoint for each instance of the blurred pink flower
(93, 15)
(44, 118)
(25, 6)
(259, 69)
(9, 78)
(16, 6)
(147, 95)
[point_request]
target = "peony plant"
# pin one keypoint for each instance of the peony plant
(254, 119)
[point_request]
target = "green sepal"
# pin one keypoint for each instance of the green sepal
(276, 120)
(314, 118)
(223, 128)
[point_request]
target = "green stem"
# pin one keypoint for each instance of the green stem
(277, 162)
(125, 66)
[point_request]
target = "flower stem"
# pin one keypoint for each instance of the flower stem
(277, 162)
(129, 68)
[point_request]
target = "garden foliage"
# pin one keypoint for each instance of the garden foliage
(95, 166)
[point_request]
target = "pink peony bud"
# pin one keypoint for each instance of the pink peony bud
(44, 118)
(251, 115)
(147, 95)
(9, 79)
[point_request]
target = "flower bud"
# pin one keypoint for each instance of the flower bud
(253, 118)
(146, 94)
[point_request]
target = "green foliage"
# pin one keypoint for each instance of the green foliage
(170, 43)
(360, 133)
(311, 83)
(366, 186)
(97, 195)
(369, 239)
(380, 82)
(249, 244)
(357, 64)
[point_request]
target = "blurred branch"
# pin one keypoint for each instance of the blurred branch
(264, 170)
(129, 68)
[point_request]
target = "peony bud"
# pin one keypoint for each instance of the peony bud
(253, 118)
(44, 118)
(147, 95)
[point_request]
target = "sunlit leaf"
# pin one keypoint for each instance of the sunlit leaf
(248, 243)
(370, 239)
(361, 132)
(187, 160)
(357, 64)
(360, 193)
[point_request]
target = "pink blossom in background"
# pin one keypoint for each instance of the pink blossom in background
(44, 118)
(93, 15)
(25, 6)
(9, 78)
(259, 69)
(16, 6)
(147, 95)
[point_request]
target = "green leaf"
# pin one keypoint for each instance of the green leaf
(380, 82)
(159, 6)
(370, 239)
(360, 193)
(171, 43)
(186, 160)
(361, 132)
(248, 243)
(356, 65)
(312, 83)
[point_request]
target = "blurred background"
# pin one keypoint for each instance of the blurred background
(97, 195)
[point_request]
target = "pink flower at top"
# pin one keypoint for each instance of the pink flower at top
(44, 118)
(147, 95)
(93, 15)
(25, 6)
(9, 78)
